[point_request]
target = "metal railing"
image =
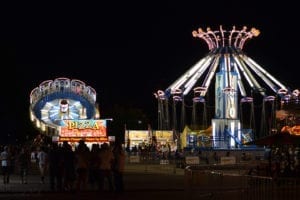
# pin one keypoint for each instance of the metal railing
(222, 185)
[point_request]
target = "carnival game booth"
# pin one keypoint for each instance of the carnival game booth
(135, 138)
(163, 136)
(146, 137)
(288, 117)
(191, 138)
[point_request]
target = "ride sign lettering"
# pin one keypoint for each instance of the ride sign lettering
(84, 128)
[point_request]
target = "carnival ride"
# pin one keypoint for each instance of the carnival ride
(54, 101)
(237, 80)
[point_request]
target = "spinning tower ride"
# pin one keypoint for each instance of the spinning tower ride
(235, 75)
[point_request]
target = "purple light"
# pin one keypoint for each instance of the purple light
(269, 98)
(177, 98)
(246, 100)
(198, 99)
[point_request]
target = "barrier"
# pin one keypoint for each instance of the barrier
(164, 162)
(134, 159)
(238, 186)
(192, 160)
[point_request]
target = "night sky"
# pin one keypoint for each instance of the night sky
(128, 50)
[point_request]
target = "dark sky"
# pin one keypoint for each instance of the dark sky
(128, 50)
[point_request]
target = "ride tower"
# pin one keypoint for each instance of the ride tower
(225, 124)
(235, 78)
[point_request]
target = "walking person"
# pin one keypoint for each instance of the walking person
(105, 167)
(82, 156)
(42, 157)
(56, 166)
(69, 172)
(94, 165)
(24, 161)
(5, 164)
(118, 167)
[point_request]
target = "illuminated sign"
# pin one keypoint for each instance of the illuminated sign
(163, 135)
(83, 128)
(145, 135)
(137, 135)
(87, 139)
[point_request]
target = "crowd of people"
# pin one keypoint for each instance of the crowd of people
(100, 167)
(282, 162)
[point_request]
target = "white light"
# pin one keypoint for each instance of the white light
(214, 132)
(186, 76)
(296, 92)
(266, 73)
(232, 141)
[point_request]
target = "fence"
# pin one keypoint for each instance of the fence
(165, 166)
(172, 164)
(218, 184)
